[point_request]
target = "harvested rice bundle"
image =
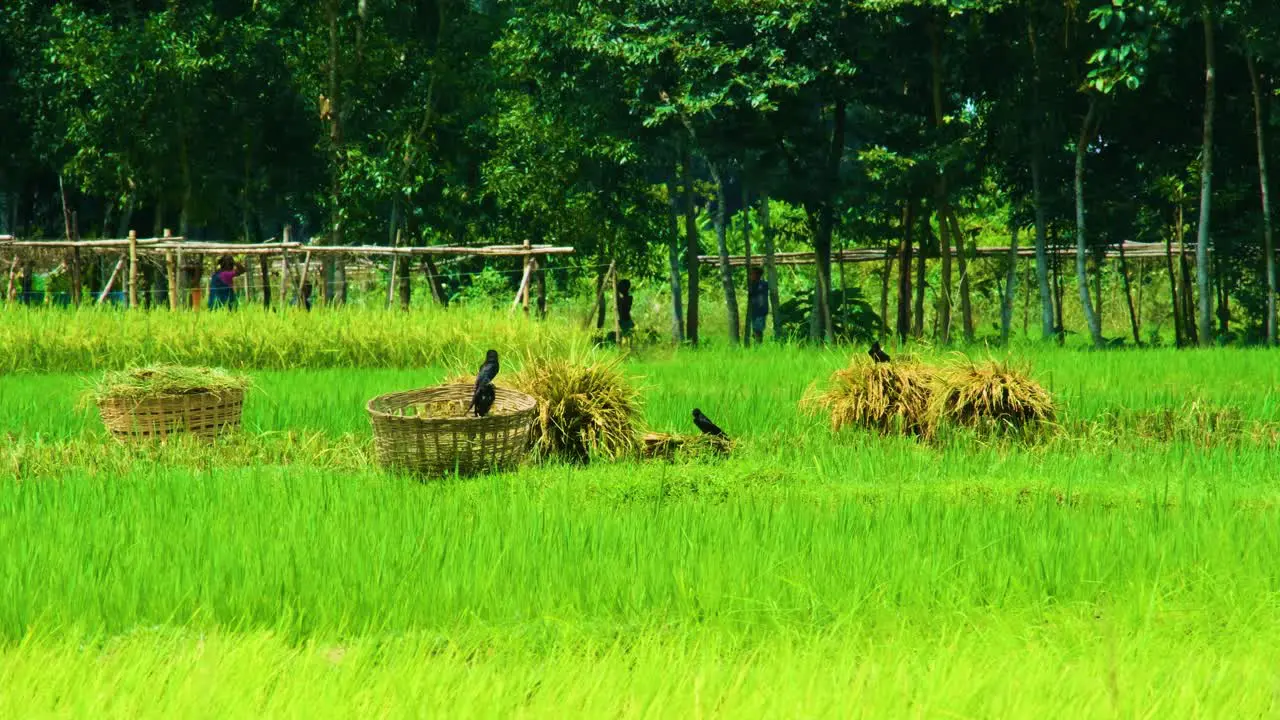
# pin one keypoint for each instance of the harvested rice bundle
(584, 409)
(668, 446)
(989, 396)
(885, 397)
(157, 381)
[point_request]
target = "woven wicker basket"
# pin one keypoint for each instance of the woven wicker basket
(440, 446)
(204, 415)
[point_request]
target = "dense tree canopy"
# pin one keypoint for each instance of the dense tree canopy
(620, 127)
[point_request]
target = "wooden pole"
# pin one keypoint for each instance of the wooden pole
(284, 270)
(540, 279)
(13, 270)
(528, 275)
(306, 268)
(524, 288)
(433, 281)
(133, 269)
(171, 269)
(391, 278)
(111, 280)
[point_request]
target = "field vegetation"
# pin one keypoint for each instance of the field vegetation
(1123, 563)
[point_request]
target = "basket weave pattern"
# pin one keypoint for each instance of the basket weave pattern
(204, 415)
(439, 446)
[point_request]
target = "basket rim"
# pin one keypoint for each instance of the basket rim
(528, 403)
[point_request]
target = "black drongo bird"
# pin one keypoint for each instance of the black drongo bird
(877, 354)
(482, 399)
(705, 425)
(489, 370)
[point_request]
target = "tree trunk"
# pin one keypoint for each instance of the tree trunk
(600, 304)
(692, 249)
(1187, 304)
(1037, 190)
(921, 274)
(770, 267)
(1010, 286)
(1060, 328)
(1128, 297)
(1268, 237)
(673, 260)
(825, 224)
(1224, 305)
(944, 295)
(264, 266)
(1174, 305)
(944, 234)
(334, 118)
(904, 272)
(746, 253)
(722, 245)
(540, 282)
(966, 302)
(889, 254)
(406, 286)
(1082, 272)
(1206, 186)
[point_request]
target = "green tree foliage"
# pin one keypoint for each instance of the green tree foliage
(641, 132)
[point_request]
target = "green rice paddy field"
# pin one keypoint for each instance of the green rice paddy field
(1125, 565)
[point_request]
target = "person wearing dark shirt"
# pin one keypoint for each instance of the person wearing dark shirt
(625, 323)
(222, 289)
(757, 303)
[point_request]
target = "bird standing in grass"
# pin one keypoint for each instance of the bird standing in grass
(484, 394)
(706, 426)
(878, 355)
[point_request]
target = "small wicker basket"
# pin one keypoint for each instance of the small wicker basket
(203, 415)
(440, 446)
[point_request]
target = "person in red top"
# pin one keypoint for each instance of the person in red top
(222, 289)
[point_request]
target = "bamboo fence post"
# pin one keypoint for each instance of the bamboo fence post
(111, 280)
(391, 279)
(9, 295)
(133, 269)
(284, 270)
(528, 272)
(171, 269)
(524, 287)
(539, 277)
(306, 268)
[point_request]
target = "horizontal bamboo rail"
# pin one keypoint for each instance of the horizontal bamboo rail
(166, 244)
(1132, 250)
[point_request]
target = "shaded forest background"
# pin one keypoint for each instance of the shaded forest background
(645, 133)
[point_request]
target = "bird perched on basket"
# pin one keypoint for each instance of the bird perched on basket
(482, 399)
(878, 355)
(484, 394)
(706, 426)
(489, 370)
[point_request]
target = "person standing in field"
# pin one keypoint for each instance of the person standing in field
(222, 289)
(757, 303)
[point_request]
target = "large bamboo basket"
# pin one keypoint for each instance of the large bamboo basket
(439, 446)
(204, 415)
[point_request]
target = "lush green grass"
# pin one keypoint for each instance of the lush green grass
(39, 340)
(278, 572)
(1078, 668)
